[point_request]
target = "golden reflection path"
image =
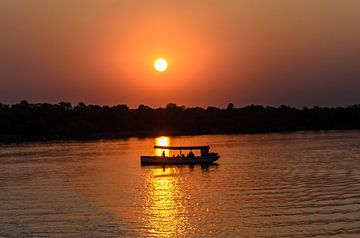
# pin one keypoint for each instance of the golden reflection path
(163, 141)
(166, 215)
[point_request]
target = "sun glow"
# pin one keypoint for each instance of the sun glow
(163, 141)
(160, 65)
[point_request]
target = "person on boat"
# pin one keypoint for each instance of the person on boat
(163, 153)
(191, 154)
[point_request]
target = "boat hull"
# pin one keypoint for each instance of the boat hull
(159, 160)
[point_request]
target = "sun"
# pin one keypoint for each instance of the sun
(160, 65)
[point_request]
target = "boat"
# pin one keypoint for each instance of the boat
(205, 156)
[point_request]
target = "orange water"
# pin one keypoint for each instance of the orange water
(300, 184)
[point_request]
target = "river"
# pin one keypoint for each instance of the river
(301, 184)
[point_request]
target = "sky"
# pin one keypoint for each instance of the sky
(269, 52)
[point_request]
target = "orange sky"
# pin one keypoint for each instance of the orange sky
(300, 53)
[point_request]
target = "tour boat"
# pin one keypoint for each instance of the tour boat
(205, 156)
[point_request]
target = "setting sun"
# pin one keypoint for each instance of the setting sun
(160, 65)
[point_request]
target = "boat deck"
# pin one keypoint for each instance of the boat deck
(153, 160)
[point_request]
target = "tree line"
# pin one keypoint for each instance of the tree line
(63, 121)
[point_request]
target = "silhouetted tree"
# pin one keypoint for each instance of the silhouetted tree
(230, 106)
(25, 121)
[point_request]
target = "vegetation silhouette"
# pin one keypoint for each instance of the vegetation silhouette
(62, 121)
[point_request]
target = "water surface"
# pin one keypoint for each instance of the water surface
(304, 184)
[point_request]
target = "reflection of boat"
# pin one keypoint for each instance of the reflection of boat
(205, 156)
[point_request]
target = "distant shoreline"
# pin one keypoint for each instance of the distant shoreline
(24, 122)
(21, 140)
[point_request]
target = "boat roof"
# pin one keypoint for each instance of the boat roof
(202, 147)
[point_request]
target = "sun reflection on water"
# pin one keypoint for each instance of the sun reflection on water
(163, 141)
(166, 216)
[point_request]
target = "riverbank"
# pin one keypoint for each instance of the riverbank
(62, 121)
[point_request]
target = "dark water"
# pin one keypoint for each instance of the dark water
(304, 184)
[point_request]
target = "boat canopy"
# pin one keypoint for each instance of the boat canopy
(204, 147)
